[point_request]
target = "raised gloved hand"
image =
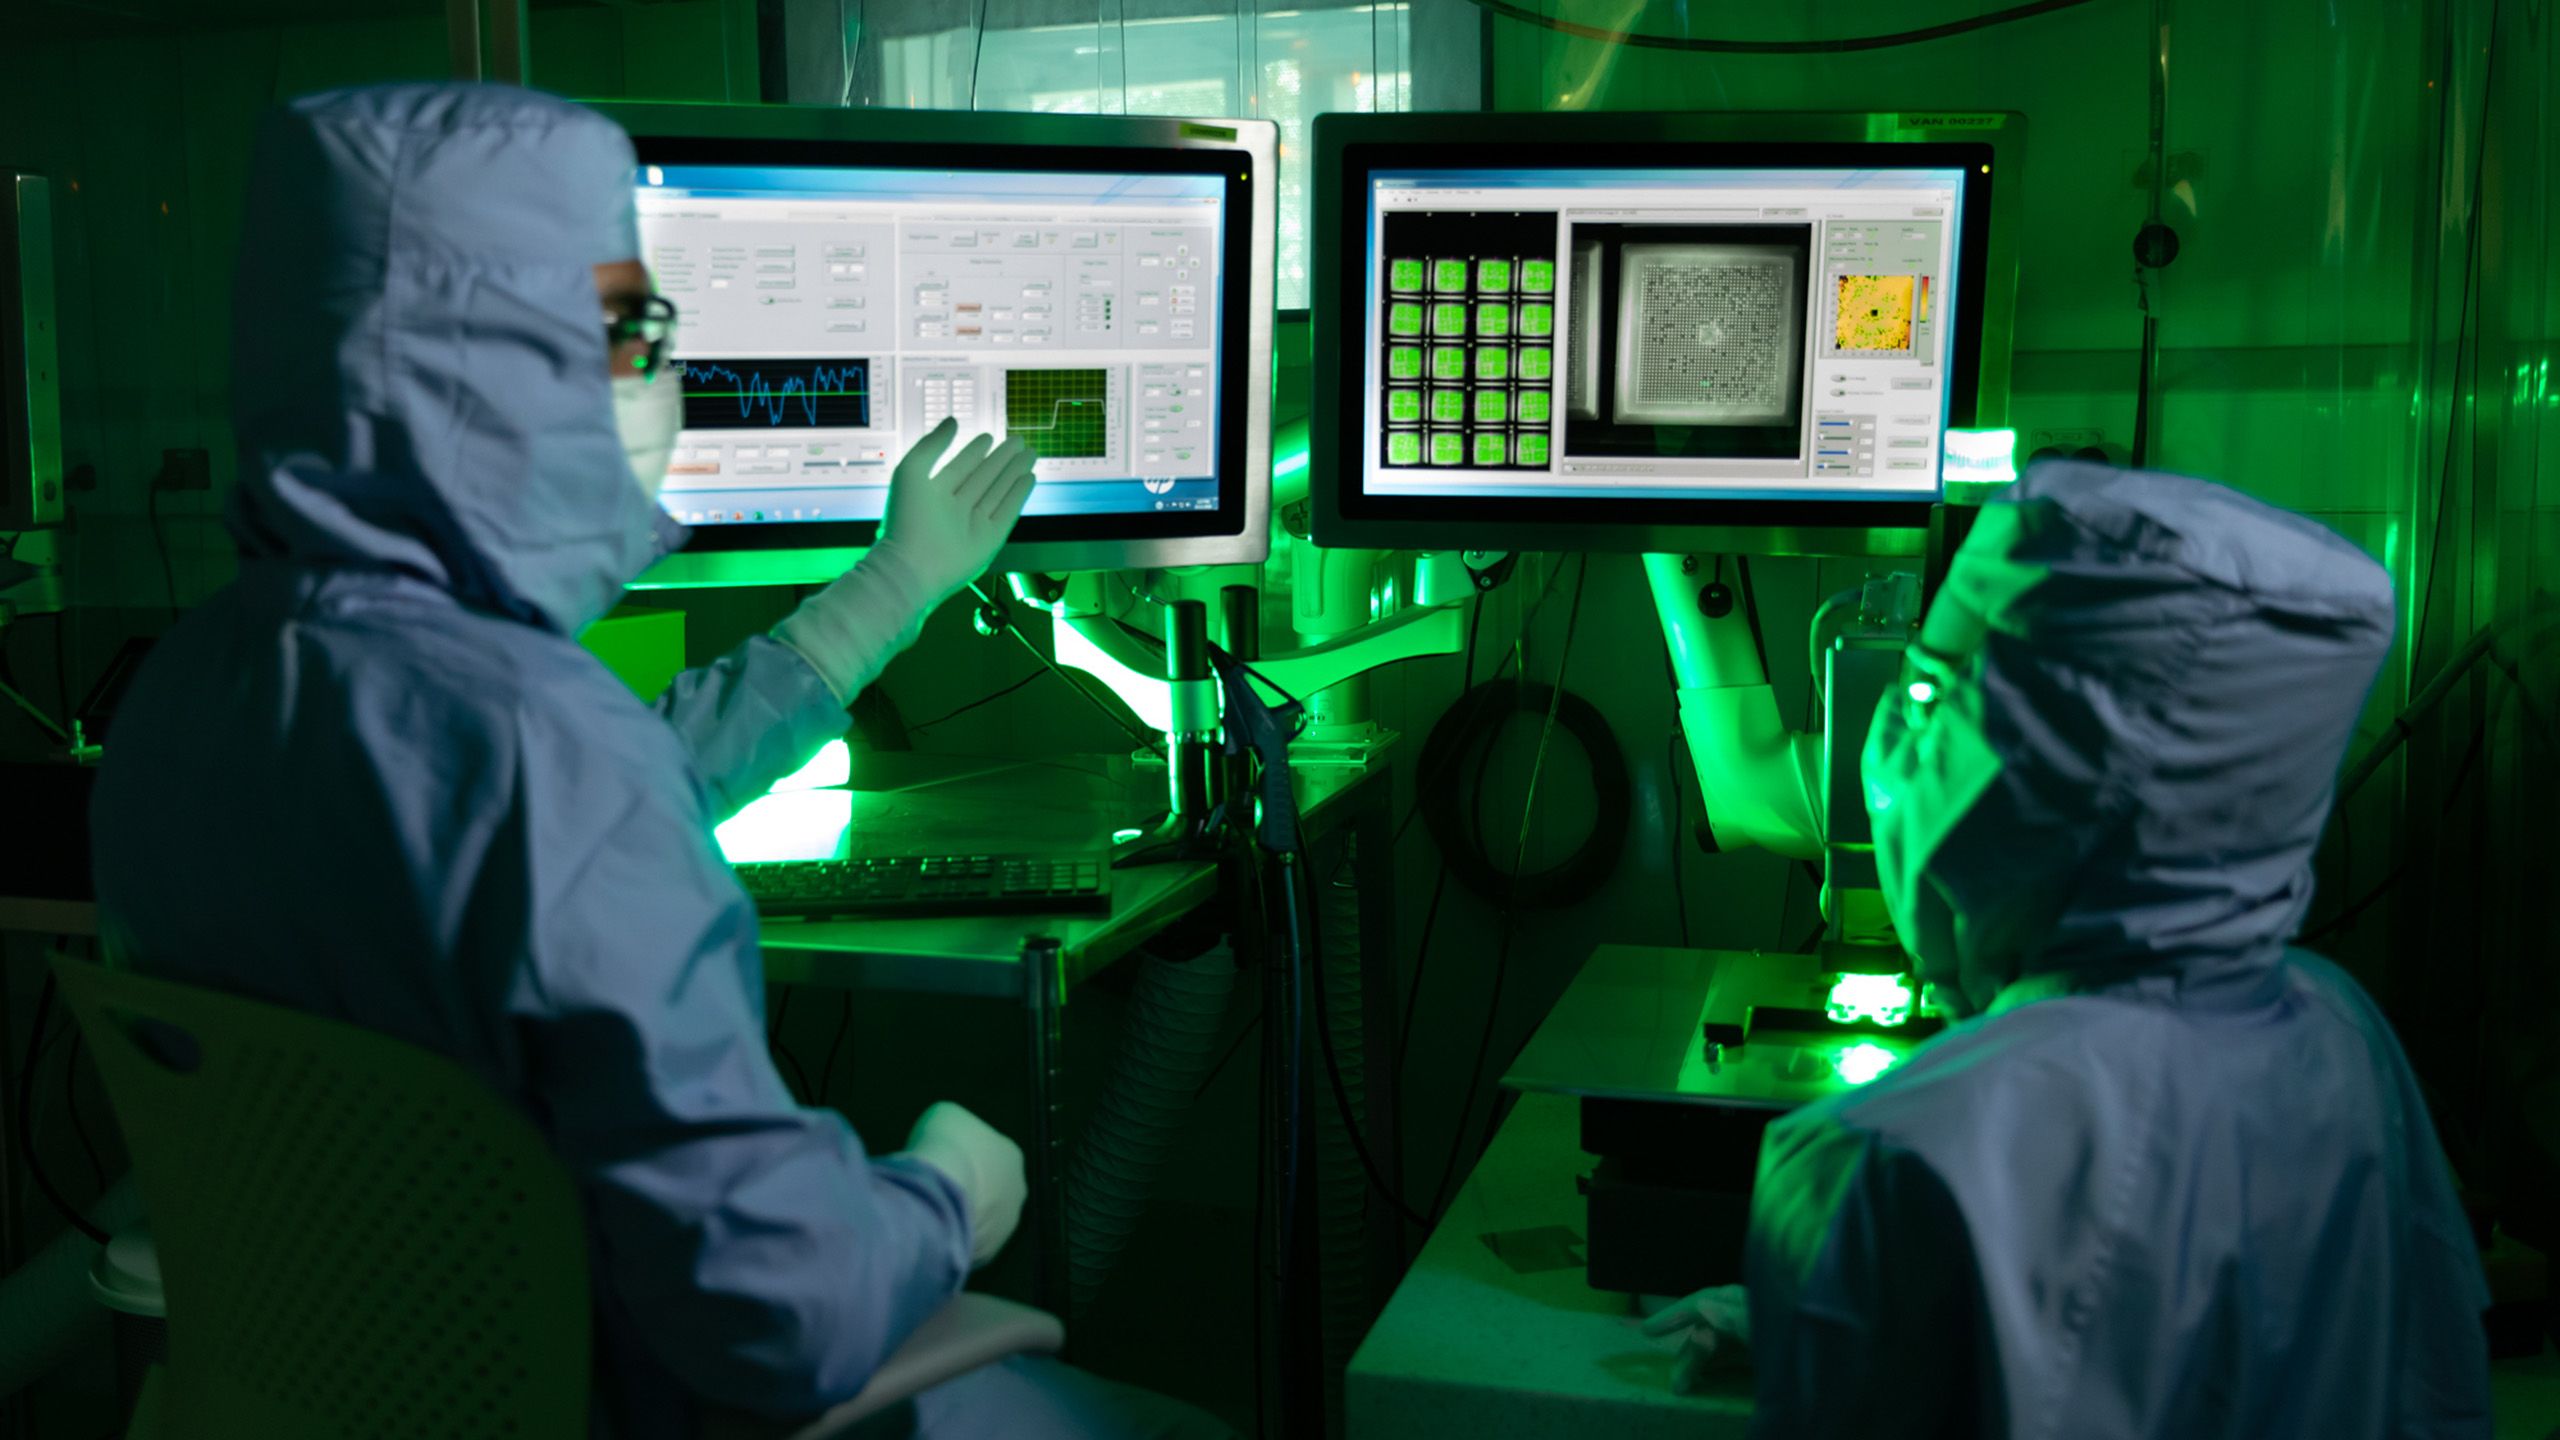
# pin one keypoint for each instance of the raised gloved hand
(983, 1163)
(946, 520)
(949, 522)
(1715, 1330)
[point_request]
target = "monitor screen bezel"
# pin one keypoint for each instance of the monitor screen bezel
(1241, 152)
(1351, 149)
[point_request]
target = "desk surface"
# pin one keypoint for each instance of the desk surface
(906, 803)
(1478, 1345)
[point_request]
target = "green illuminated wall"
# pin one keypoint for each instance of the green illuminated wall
(144, 129)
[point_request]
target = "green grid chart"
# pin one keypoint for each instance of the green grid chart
(1059, 414)
(1468, 361)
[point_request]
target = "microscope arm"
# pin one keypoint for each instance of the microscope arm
(1761, 783)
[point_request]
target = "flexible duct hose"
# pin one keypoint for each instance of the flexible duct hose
(1342, 1193)
(1166, 1050)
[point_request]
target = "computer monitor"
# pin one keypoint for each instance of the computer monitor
(1642, 332)
(1100, 287)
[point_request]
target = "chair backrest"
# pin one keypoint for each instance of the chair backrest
(357, 1237)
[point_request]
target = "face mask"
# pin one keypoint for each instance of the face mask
(648, 412)
(1927, 763)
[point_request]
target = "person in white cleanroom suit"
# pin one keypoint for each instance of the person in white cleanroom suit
(377, 779)
(2174, 1180)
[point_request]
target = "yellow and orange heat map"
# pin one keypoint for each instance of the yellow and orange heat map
(1874, 313)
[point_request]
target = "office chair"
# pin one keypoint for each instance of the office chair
(358, 1237)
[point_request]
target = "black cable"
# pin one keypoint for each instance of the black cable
(27, 1119)
(79, 1122)
(1469, 852)
(1642, 41)
(978, 55)
(1235, 1047)
(827, 1071)
(1423, 782)
(2453, 793)
(1312, 956)
(1156, 643)
(1261, 1217)
(1413, 988)
(1439, 886)
(983, 700)
(1502, 956)
(1004, 616)
(2462, 317)
(1440, 1196)
(805, 1093)
(62, 664)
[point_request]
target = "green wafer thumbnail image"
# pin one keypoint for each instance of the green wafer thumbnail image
(1492, 407)
(1493, 363)
(1404, 407)
(1404, 362)
(1538, 277)
(1537, 362)
(1404, 447)
(1404, 277)
(1448, 447)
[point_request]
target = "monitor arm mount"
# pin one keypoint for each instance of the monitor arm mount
(1345, 610)
(1791, 792)
(1761, 782)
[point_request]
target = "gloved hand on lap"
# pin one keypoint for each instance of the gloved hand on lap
(943, 527)
(1715, 1326)
(983, 1163)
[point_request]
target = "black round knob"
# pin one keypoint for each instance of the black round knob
(2154, 246)
(1716, 601)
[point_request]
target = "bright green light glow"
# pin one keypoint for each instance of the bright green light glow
(1123, 837)
(1922, 692)
(1862, 1062)
(832, 765)
(1885, 999)
(1289, 463)
(1981, 456)
(794, 825)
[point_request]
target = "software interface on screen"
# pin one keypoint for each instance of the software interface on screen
(1664, 334)
(829, 317)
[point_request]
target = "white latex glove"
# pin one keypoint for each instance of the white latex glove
(983, 1163)
(943, 528)
(949, 522)
(1715, 1330)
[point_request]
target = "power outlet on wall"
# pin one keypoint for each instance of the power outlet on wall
(2065, 441)
(2074, 445)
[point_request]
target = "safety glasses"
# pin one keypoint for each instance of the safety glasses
(639, 340)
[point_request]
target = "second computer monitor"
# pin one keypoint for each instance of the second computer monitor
(845, 281)
(1639, 332)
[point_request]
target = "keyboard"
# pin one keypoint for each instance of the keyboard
(890, 886)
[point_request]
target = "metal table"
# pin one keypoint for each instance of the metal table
(1495, 1331)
